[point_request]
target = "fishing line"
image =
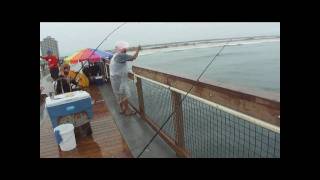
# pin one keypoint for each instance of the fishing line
(98, 47)
(167, 120)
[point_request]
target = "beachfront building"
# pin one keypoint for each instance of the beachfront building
(49, 43)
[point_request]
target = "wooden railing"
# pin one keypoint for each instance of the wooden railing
(252, 105)
(258, 110)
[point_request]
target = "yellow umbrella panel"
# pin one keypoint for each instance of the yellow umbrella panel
(82, 79)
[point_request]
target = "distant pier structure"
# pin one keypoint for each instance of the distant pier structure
(204, 41)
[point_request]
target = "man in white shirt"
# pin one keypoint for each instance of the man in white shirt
(119, 76)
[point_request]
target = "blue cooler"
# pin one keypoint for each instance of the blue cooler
(67, 104)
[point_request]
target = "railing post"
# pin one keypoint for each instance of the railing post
(140, 97)
(178, 121)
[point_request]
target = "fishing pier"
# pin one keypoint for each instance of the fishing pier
(213, 121)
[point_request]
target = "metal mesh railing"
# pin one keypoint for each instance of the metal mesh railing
(208, 131)
(157, 104)
(133, 98)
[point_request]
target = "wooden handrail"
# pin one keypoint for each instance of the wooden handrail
(261, 108)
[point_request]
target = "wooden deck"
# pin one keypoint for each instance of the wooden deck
(105, 141)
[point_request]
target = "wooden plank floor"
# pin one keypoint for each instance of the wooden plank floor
(105, 141)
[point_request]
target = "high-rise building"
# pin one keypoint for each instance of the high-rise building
(49, 43)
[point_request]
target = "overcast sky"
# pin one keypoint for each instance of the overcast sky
(72, 37)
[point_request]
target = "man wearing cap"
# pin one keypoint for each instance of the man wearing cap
(119, 75)
(53, 64)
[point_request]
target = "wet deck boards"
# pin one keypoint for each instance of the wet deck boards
(105, 141)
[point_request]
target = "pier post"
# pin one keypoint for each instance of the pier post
(178, 120)
(140, 97)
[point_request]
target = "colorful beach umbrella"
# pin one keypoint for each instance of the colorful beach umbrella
(88, 55)
(68, 59)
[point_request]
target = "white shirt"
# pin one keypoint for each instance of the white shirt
(117, 69)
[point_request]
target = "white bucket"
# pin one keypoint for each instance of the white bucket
(68, 138)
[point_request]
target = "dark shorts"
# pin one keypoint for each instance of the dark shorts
(54, 73)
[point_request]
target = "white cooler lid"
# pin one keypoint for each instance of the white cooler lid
(67, 98)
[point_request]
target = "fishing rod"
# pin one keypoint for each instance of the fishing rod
(98, 47)
(180, 102)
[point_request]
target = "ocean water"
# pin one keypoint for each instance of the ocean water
(251, 68)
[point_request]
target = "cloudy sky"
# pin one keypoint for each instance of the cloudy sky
(75, 36)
